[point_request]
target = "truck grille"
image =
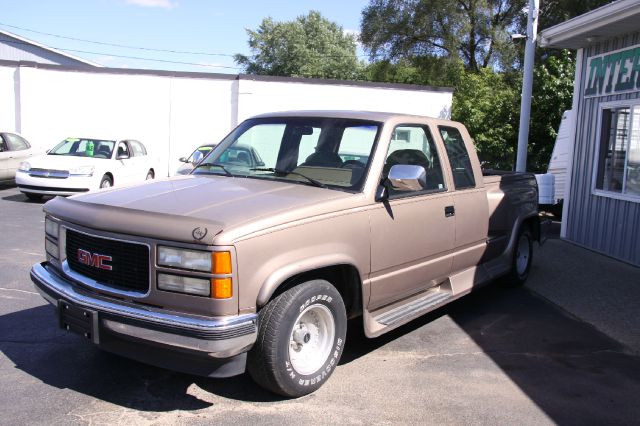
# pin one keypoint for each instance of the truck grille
(117, 264)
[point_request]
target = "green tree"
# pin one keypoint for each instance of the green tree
(310, 46)
(552, 95)
(488, 103)
(475, 31)
(425, 70)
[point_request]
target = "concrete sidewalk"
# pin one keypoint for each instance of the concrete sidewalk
(597, 289)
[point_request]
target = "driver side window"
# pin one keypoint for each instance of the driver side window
(414, 145)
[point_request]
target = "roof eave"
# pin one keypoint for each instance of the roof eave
(572, 33)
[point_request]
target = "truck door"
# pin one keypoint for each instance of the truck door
(469, 199)
(412, 234)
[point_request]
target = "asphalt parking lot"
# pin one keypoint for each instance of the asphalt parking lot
(499, 356)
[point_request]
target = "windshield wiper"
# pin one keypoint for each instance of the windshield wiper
(284, 173)
(227, 172)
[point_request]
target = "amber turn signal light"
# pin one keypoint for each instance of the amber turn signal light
(221, 262)
(221, 288)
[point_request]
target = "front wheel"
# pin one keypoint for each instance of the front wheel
(150, 175)
(106, 182)
(301, 336)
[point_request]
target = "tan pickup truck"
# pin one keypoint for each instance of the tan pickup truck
(293, 224)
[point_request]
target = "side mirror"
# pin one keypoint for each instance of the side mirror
(183, 159)
(382, 193)
(405, 177)
(122, 157)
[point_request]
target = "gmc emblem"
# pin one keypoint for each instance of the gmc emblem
(94, 260)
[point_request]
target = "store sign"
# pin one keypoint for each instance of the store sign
(613, 72)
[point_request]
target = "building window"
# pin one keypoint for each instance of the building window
(619, 156)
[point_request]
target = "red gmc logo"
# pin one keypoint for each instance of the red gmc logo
(94, 259)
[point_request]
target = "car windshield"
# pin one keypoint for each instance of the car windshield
(327, 152)
(80, 147)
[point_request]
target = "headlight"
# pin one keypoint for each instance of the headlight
(24, 166)
(82, 171)
(51, 228)
(186, 259)
(189, 285)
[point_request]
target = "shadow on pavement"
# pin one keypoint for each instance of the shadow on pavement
(571, 371)
(65, 361)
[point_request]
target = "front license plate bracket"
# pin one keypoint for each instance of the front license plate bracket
(78, 320)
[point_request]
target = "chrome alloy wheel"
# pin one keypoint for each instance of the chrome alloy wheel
(523, 254)
(311, 339)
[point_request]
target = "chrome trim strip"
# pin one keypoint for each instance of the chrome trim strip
(56, 284)
(46, 173)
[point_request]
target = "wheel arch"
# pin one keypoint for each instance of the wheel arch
(344, 276)
(110, 175)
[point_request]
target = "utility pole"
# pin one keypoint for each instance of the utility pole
(527, 85)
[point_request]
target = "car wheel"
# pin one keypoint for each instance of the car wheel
(106, 182)
(301, 336)
(150, 175)
(33, 197)
(522, 258)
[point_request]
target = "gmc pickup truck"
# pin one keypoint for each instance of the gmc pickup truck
(258, 265)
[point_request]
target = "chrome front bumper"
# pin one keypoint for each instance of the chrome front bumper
(216, 338)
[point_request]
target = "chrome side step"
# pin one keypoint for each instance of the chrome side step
(414, 308)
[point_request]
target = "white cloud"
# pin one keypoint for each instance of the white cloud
(165, 4)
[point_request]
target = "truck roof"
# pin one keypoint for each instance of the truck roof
(361, 115)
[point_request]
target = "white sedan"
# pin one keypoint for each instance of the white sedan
(13, 150)
(78, 165)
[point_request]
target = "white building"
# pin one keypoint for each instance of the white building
(173, 112)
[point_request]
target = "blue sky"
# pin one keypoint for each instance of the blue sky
(208, 26)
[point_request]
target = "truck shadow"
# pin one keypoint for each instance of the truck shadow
(36, 346)
(570, 370)
(563, 365)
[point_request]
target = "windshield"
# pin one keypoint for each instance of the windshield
(331, 152)
(79, 147)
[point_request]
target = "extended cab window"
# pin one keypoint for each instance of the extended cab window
(414, 145)
(458, 157)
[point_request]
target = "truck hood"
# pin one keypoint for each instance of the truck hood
(196, 209)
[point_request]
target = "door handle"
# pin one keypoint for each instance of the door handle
(449, 211)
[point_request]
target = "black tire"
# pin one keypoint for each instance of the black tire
(106, 182)
(521, 261)
(33, 197)
(150, 175)
(270, 363)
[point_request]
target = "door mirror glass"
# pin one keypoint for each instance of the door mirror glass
(407, 177)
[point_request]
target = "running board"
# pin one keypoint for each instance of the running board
(414, 308)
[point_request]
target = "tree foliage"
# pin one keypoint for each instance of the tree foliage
(476, 31)
(310, 46)
(488, 103)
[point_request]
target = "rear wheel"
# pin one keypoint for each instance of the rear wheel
(300, 339)
(521, 262)
(150, 175)
(106, 182)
